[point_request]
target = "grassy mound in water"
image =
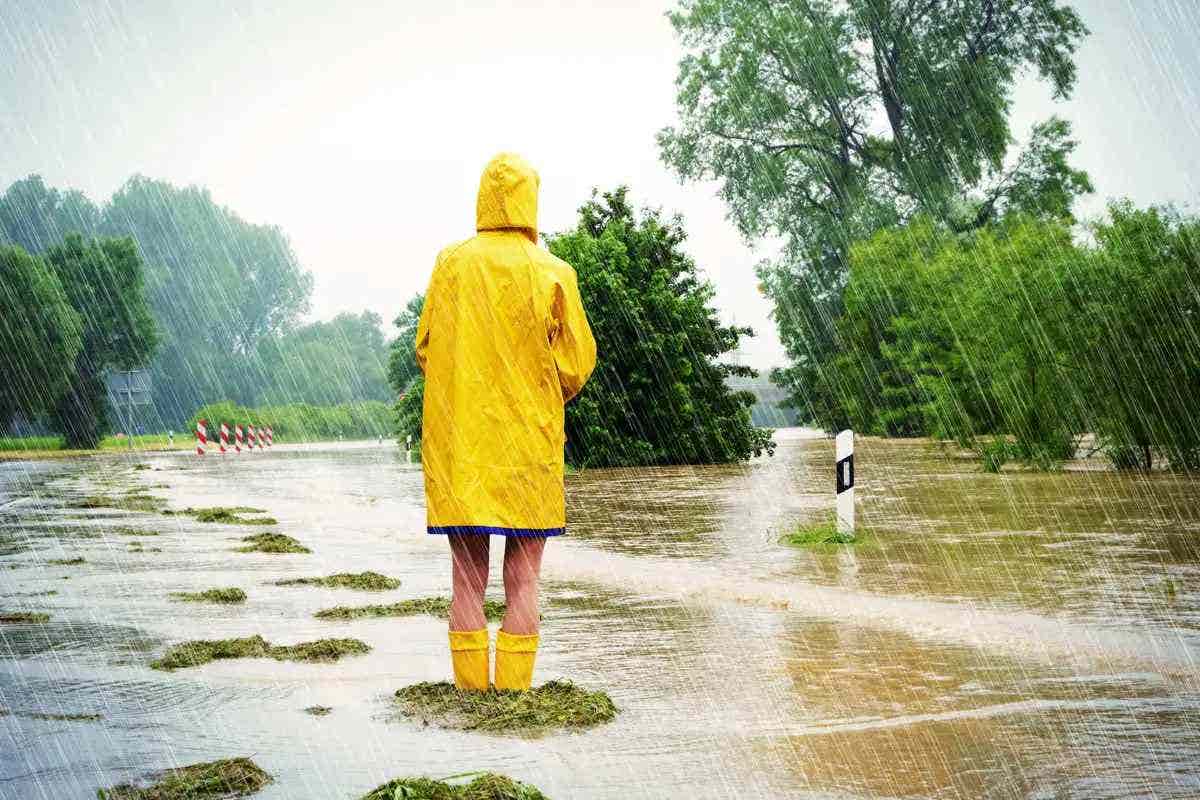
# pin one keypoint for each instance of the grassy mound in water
(272, 543)
(820, 533)
(202, 651)
(135, 501)
(225, 595)
(433, 606)
(123, 531)
(485, 786)
(227, 515)
(557, 704)
(363, 581)
(231, 777)
(18, 617)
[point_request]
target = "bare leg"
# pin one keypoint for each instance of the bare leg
(522, 566)
(469, 557)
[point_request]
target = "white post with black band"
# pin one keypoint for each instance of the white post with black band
(844, 450)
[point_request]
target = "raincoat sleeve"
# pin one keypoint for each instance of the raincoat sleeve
(422, 345)
(571, 336)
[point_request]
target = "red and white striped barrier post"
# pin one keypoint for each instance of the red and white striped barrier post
(251, 437)
(224, 437)
(270, 437)
(237, 438)
(201, 439)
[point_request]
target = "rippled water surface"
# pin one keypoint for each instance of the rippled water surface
(1017, 635)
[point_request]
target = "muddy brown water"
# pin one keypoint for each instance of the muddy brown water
(1014, 635)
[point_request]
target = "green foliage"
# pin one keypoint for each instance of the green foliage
(433, 606)
(223, 595)
(556, 704)
(39, 335)
(214, 780)
(783, 104)
(103, 281)
(300, 422)
(202, 651)
(821, 533)
(1137, 339)
(658, 395)
(218, 285)
(1015, 330)
(485, 786)
(326, 363)
(402, 358)
(272, 543)
(362, 581)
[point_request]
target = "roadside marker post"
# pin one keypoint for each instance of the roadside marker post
(237, 438)
(251, 437)
(844, 451)
(224, 437)
(201, 436)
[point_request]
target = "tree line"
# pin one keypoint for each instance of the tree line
(214, 303)
(933, 279)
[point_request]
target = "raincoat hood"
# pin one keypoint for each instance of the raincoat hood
(508, 193)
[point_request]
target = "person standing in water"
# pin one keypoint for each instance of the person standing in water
(504, 343)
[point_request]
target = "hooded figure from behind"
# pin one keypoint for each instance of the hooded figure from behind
(504, 343)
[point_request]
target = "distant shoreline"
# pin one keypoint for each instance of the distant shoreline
(156, 444)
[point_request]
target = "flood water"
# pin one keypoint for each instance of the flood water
(993, 636)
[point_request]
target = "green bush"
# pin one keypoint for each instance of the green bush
(300, 422)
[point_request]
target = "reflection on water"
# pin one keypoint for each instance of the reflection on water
(1017, 635)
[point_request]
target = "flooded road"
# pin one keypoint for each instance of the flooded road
(1014, 635)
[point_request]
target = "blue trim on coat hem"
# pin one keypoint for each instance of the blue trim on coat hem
(483, 530)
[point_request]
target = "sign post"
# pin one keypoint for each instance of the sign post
(844, 449)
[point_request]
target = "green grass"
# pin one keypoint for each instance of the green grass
(433, 606)
(484, 786)
(362, 581)
(272, 543)
(553, 705)
(195, 653)
(228, 515)
(132, 501)
(820, 533)
(318, 711)
(47, 717)
(18, 617)
(214, 780)
(226, 595)
(67, 562)
(134, 532)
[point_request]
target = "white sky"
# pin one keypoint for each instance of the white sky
(361, 128)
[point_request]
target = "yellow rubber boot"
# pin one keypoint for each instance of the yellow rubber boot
(469, 652)
(514, 660)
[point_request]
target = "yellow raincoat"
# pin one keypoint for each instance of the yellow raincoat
(504, 343)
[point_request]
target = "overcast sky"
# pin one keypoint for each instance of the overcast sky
(361, 128)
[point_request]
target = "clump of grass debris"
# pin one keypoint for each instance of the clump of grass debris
(195, 653)
(818, 534)
(317, 711)
(231, 777)
(138, 547)
(272, 543)
(67, 562)
(48, 717)
(557, 704)
(19, 617)
(362, 581)
(226, 595)
(485, 786)
(135, 501)
(227, 515)
(124, 531)
(433, 606)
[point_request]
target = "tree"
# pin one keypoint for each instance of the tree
(1137, 337)
(39, 335)
(104, 283)
(326, 363)
(218, 286)
(36, 216)
(658, 395)
(402, 358)
(826, 122)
